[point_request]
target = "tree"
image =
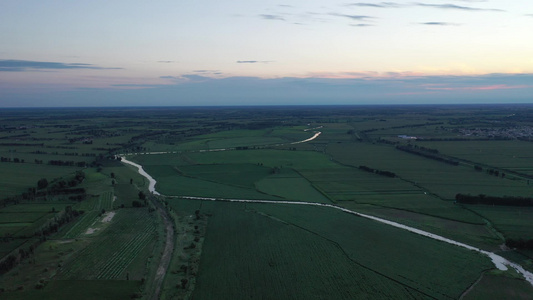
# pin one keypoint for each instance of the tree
(142, 195)
(42, 183)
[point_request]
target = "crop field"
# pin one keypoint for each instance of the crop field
(25, 218)
(36, 207)
(243, 138)
(471, 233)
(270, 158)
(290, 185)
(242, 175)
(289, 135)
(112, 242)
(516, 157)
(187, 186)
(497, 287)
(514, 222)
(18, 177)
(262, 253)
(245, 235)
(389, 251)
(442, 179)
(80, 227)
(80, 290)
(105, 201)
(110, 255)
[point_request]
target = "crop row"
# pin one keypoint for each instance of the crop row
(242, 248)
(81, 226)
(106, 201)
(117, 246)
(114, 266)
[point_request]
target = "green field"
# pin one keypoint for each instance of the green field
(17, 178)
(440, 178)
(246, 236)
(101, 234)
(109, 256)
(514, 222)
(516, 155)
(81, 290)
(499, 287)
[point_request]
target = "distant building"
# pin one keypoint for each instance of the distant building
(403, 136)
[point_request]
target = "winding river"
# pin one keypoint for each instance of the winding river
(500, 262)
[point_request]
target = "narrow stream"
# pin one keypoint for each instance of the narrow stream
(151, 180)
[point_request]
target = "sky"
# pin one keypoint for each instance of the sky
(64, 53)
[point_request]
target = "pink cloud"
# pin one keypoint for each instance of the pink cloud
(480, 88)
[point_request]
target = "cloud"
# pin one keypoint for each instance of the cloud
(187, 78)
(457, 7)
(353, 17)
(482, 87)
(389, 88)
(439, 24)
(361, 25)
(377, 5)
(253, 61)
(166, 61)
(136, 86)
(272, 17)
(10, 65)
(529, 15)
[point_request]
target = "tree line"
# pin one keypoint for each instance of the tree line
(379, 172)
(427, 154)
(519, 243)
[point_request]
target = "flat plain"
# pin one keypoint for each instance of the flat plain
(73, 215)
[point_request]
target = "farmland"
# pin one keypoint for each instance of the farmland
(72, 214)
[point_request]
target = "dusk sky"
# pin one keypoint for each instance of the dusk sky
(206, 52)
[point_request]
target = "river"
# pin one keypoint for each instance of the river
(499, 262)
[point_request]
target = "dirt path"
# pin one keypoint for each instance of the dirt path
(468, 290)
(167, 252)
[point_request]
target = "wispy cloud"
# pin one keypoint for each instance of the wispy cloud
(377, 5)
(166, 61)
(481, 88)
(253, 61)
(529, 15)
(11, 65)
(353, 17)
(361, 25)
(136, 86)
(208, 72)
(457, 7)
(272, 17)
(439, 24)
